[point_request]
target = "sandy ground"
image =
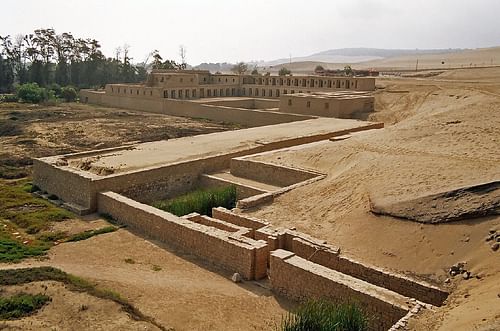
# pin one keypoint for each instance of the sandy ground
(69, 310)
(445, 134)
(176, 150)
(178, 291)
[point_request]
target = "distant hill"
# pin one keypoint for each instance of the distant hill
(374, 58)
(357, 55)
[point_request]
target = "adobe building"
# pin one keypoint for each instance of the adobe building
(246, 99)
(341, 104)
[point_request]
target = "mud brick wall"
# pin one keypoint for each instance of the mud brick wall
(218, 224)
(67, 185)
(268, 173)
(397, 283)
(242, 255)
(299, 279)
(240, 220)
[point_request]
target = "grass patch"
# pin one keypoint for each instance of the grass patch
(21, 305)
(28, 212)
(90, 233)
(322, 315)
(14, 251)
(27, 275)
(200, 201)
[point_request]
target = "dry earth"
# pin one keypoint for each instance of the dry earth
(443, 133)
(28, 131)
(177, 290)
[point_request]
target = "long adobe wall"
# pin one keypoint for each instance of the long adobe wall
(299, 279)
(186, 108)
(236, 253)
(319, 252)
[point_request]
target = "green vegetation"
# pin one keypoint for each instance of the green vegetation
(200, 201)
(284, 71)
(28, 275)
(68, 93)
(21, 305)
(322, 315)
(30, 213)
(14, 251)
(90, 233)
(31, 92)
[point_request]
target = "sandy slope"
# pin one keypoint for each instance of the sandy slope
(445, 134)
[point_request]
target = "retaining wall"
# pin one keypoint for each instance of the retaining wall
(398, 283)
(299, 279)
(186, 108)
(268, 173)
(234, 253)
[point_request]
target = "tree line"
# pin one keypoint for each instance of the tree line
(45, 57)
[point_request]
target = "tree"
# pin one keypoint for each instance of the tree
(319, 68)
(284, 71)
(240, 68)
(348, 70)
(255, 71)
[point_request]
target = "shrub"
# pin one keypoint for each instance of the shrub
(30, 92)
(68, 93)
(21, 305)
(56, 88)
(200, 201)
(284, 71)
(322, 315)
(8, 98)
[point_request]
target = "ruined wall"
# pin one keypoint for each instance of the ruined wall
(397, 283)
(299, 279)
(236, 254)
(240, 220)
(268, 173)
(186, 108)
(317, 105)
(68, 186)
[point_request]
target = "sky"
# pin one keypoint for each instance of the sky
(237, 30)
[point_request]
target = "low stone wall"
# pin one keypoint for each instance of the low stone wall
(268, 173)
(187, 108)
(299, 279)
(398, 283)
(234, 253)
(240, 220)
(320, 252)
(219, 224)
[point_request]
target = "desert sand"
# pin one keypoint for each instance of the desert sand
(443, 132)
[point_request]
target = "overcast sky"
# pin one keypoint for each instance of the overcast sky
(233, 30)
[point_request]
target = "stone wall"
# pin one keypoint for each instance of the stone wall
(240, 220)
(398, 283)
(187, 108)
(299, 279)
(234, 253)
(268, 173)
